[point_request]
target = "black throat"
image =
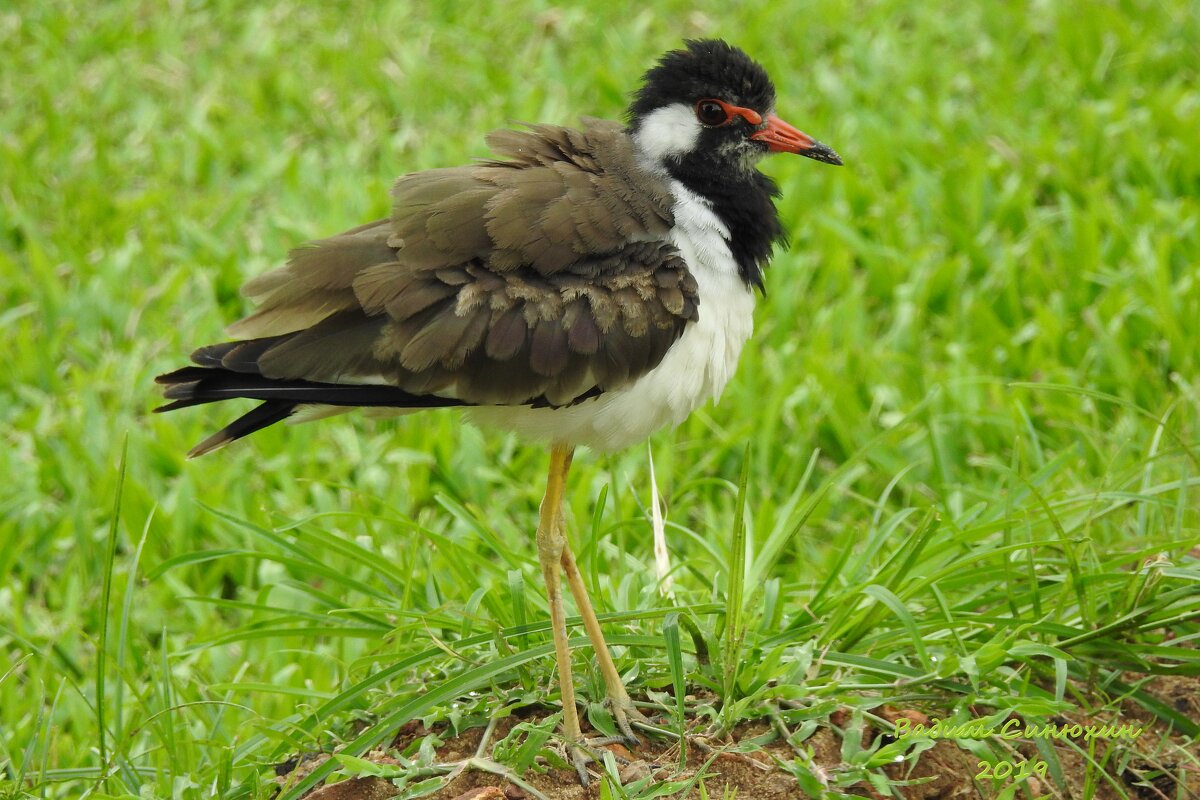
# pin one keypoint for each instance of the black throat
(743, 200)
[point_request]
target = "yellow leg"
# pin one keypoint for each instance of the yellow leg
(551, 544)
(622, 707)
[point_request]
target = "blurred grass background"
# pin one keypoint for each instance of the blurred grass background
(989, 313)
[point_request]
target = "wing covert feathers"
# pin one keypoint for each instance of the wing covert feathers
(541, 277)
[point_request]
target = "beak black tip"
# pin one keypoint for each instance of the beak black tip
(822, 153)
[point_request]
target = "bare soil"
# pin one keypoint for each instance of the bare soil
(1154, 766)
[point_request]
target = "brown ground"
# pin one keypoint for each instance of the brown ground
(1158, 769)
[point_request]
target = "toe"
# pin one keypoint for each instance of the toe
(625, 714)
(628, 737)
(580, 760)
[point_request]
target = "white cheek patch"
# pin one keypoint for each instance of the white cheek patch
(668, 133)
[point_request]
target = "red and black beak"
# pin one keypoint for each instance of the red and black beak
(780, 137)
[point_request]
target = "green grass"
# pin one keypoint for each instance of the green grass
(972, 402)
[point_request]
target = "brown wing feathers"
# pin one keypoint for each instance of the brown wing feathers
(542, 279)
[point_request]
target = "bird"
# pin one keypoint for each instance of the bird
(583, 287)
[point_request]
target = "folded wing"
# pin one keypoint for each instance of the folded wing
(541, 279)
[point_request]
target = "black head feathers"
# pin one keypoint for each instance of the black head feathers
(706, 68)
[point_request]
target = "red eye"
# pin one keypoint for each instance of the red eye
(712, 112)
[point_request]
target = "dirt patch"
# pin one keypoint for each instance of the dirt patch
(1160, 763)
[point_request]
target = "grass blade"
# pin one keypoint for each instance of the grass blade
(110, 557)
(735, 624)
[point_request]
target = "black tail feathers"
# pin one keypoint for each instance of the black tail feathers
(227, 372)
(266, 414)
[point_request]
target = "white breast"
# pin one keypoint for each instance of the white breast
(695, 369)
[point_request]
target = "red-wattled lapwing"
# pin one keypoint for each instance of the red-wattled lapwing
(586, 287)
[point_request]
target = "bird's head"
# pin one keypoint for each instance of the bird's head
(711, 106)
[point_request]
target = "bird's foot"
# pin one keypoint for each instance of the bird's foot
(583, 752)
(625, 713)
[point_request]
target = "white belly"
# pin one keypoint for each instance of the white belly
(694, 371)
